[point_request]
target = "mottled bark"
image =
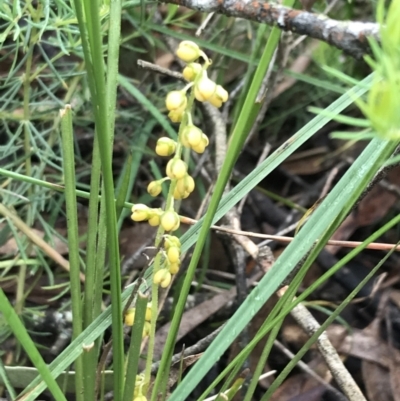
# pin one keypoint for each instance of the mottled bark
(349, 36)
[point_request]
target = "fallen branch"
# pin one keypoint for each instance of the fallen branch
(349, 36)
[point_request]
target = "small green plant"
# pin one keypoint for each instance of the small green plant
(383, 104)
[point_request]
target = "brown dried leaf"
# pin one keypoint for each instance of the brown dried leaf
(303, 387)
(308, 162)
(376, 381)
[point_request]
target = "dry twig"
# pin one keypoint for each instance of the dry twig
(349, 36)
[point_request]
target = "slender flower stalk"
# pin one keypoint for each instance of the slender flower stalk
(179, 103)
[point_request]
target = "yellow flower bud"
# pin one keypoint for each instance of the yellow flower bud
(154, 188)
(188, 51)
(140, 397)
(222, 93)
(191, 71)
(162, 278)
(176, 100)
(130, 316)
(204, 139)
(205, 88)
(200, 148)
(140, 212)
(154, 221)
(220, 96)
(146, 330)
(139, 382)
(173, 254)
(185, 184)
(183, 139)
(192, 135)
(176, 168)
(170, 221)
(177, 195)
(165, 146)
(176, 115)
(148, 312)
(173, 268)
(171, 240)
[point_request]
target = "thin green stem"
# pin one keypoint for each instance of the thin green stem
(134, 347)
(26, 96)
(262, 361)
(114, 37)
(157, 262)
(89, 26)
(90, 300)
(73, 236)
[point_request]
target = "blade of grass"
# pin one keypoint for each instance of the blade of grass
(249, 308)
(23, 337)
(5, 380)
(134, 347)
(94, 282)
(73, 236)
(124, 185)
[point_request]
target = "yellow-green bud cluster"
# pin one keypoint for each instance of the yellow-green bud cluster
(184, 187)
(165, 146)
(194, 138)
(155, 187)
(190, 136)
(141, 212)
(138, 392)
(176, 102)
(172, 247)
(188, 51)
(140, 397)
(130, 319)
(191, 71)
(169, 219)
(176, 169)
(205, 90)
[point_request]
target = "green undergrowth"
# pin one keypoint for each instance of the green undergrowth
(79, 125)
